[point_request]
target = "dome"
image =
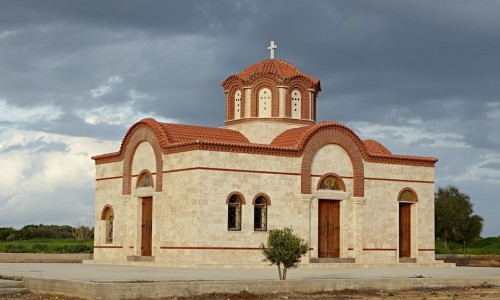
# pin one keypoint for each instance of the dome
(277, 68)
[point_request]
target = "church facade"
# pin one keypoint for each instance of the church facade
(184, 195)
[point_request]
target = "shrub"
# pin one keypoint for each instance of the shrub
(39, 248)
(284, 249)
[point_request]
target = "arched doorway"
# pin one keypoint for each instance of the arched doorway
(329, 218)
(147, 227)
(406, 199)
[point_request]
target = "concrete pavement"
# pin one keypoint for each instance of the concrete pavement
(90, 281)
(114, 273)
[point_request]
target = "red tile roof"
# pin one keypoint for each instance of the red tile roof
(179, 133)
(274, 67)
(376, 148)
(291, 137)
(179, 138)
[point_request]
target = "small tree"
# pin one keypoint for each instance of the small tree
(453, 217)
(83, 231)
(284, 249)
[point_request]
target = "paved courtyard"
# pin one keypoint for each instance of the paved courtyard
(113, 273)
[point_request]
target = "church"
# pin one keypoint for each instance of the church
(192, 196)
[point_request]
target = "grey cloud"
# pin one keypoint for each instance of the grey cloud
(383, 62)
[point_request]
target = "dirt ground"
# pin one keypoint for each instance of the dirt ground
(420, 294)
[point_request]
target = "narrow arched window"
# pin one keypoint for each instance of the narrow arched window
(260, 214)
(265, 98)
(234, 213)
(296, 104)
(331, 183)
(237, 105)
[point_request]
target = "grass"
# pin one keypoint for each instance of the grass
(47, 246)
(486, 246)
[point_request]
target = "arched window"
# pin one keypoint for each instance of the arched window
(237, 105)
(108, 217)
(260, 214)
(145, 179)
(331, 182)
(296, 104)
(265, 98)
(234, 213)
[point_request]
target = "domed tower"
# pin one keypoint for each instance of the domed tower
(268, 98)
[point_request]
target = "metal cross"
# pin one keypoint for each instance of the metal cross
(271, 49)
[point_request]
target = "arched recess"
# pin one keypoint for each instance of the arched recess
(407, 195)
(138, 135)
(338, 182)
(232, 88)
(259, 85)
(107, 218)
(345, 139)
(300, 85)
(145, 179)
(106, 212)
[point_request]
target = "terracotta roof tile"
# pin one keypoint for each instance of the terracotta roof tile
(179, 133)
(291, 137)
(376, 148)
(275, 67)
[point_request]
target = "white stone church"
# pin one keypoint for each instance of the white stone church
(184, 195)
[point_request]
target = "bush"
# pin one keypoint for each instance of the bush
(284, 249)
(12, 248)
(6, 232)
(39, 248)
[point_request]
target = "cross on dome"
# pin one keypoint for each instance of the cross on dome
(271, 48)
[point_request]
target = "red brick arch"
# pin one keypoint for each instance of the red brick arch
(345, 138)
(240, 195)
(265, 82)
(300, 84)
(138, 134)
(263, 195)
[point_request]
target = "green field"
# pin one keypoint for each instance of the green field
(486, 246)
(48, 246)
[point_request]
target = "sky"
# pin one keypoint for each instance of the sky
(421, 77)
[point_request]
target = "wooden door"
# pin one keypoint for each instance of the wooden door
(329, 229)
(147, 226)
(404, 229)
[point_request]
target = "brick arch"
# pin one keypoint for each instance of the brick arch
(231, 90)
(139, 134)
(240, 195)
(412, 192)
(105, 211)
(342, 184)
(265, 82)
(346, 139)
(264, 195)
(300, 85)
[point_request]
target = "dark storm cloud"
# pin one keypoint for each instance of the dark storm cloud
(378, 54)
(429, 68)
